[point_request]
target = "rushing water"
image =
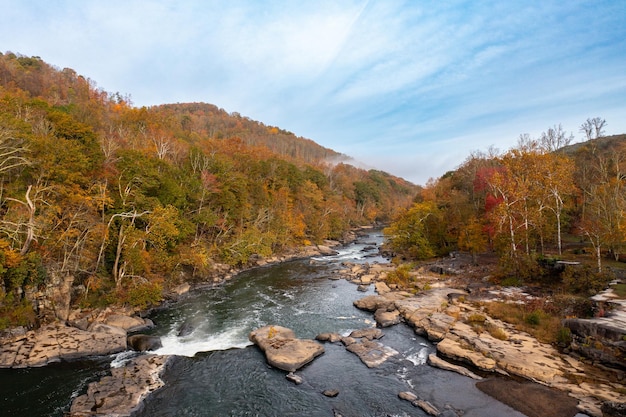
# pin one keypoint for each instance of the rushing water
(217, 372)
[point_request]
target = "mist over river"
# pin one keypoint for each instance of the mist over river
(217, 372)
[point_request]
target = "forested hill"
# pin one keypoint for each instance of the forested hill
(116, 204)
(201, 120)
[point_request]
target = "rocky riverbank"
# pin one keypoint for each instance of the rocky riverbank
(121, 393)
(443, 316)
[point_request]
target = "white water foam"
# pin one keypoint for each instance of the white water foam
(343, 254)
(235, 337)
(122, 358)
(403, 376)
(418, 358)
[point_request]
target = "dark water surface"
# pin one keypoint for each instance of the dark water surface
(217, 372)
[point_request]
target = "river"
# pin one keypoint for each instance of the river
(217, 372)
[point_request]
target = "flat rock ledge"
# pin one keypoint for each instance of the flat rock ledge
(56, 342)
(122, 393)
(363, 343)
(283, 350)
(441, 316)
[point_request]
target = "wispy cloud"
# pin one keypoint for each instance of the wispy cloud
(407, 87)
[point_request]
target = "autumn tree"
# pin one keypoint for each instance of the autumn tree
(408, 234)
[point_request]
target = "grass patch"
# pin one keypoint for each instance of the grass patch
(497, 333)
(476, 318)
(620, 290)
(538, 323)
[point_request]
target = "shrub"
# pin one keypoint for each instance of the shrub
(564, 336)
(585, 280)
(511, 282)
(534, 318)
(17, 313)
(567, 305)
(521, 268)
(400, 276)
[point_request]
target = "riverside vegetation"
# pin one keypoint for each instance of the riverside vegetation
(103, 203)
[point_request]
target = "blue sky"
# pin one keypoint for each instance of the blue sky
(409, 87)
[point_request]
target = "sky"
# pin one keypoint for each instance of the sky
(408, 87)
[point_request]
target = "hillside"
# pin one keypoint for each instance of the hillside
(603, 144)
(115, 204)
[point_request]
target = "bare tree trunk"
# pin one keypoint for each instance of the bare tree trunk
(30, 226)
(118, 255)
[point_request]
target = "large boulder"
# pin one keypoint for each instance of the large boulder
(373, 303)
(142, 342)
(386, 318)
(595, 328)
(128, 323)
(283, 350)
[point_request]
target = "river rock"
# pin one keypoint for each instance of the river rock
(437, 362)
(613, 409)
(435, 325)
(371, 302)
(331, 393)
(121, 393)
(423, 404)
(595, 328)
(129, 323)
(454, 350)
(371, 353)
(181, 289)
(382, 287)
(386, 318)
(367, 279)
(143, 342)
(347, 341)
(370, 333)
(427, 407)
(328, 337)
(283, 350)
(407, 396)
(56, 342)
(296, 379)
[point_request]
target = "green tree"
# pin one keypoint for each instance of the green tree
(408, 234)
